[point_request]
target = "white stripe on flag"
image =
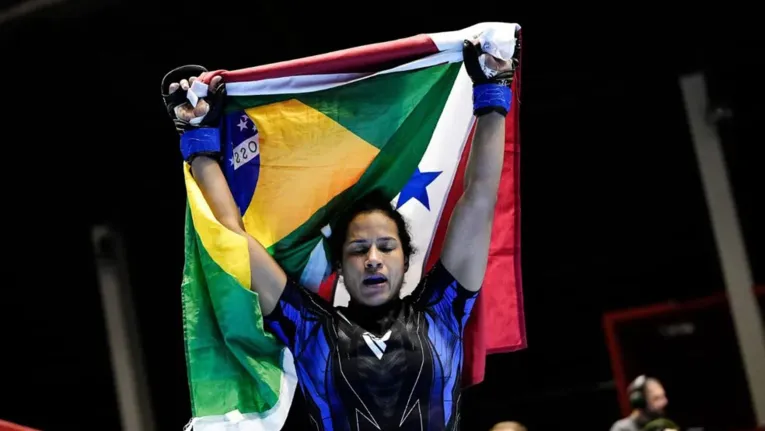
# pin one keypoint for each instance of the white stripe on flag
(442, 155)
(315, 269)
(499, 35)
(290, 84)
(309, 83)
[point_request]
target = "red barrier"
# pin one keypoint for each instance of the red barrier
(7, 426)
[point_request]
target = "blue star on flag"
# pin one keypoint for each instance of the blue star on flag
(417, 188)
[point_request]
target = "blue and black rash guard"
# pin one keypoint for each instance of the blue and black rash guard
(393, 367)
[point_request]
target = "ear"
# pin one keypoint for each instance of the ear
(406, 264)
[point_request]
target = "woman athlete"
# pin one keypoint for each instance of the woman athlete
(383, 362)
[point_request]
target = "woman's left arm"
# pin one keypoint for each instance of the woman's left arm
(466, 246)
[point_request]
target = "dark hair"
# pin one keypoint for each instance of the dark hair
(374, 201)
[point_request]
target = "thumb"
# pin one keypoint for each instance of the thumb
(470, 52)
(215, 83)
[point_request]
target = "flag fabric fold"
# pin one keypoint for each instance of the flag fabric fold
(304, 139)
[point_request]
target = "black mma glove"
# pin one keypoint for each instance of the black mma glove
(201, 139)
(490, 93)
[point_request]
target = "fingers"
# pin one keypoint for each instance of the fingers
(186, 111)
(184, 84)
(498, 64)
(201, 109)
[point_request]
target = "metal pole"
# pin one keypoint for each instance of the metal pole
(124, 346)
(729, 239)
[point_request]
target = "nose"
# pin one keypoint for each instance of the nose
(373, 261)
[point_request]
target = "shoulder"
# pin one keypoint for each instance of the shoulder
(299, 317)
(440, 275)
(439, 282)
(625, 424)
(296, 300)
(311, 299)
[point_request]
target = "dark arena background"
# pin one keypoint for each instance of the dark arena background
(622, 272)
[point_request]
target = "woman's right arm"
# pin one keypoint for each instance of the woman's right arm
(268, 279)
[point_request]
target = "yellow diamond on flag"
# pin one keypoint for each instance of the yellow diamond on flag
(306, 159)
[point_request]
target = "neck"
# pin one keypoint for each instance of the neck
(374, 319)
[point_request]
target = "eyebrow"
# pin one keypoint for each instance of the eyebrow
(365, 241)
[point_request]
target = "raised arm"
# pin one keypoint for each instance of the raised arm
(266, 276)
(466, 247)
(201, 147)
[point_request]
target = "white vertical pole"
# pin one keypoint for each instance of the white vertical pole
(132, 393)
(728, 236)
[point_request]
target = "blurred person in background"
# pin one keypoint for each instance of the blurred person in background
(648, 401)
(508, 426)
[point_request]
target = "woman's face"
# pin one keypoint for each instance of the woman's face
(373, 260)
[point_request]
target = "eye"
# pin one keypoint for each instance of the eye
(387, 246)
(358, 249)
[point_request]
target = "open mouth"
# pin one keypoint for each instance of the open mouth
(374, 280)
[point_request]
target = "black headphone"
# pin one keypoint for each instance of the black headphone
(636, 392)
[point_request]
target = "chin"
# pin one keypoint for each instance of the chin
(373, 299)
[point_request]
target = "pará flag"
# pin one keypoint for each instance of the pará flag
(303, 140)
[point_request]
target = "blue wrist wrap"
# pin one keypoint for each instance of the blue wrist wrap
(491, 97)
(201, 140)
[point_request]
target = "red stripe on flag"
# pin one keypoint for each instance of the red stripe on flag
(455, 192)
(360, 59)
(497, 323)
(327, 287)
